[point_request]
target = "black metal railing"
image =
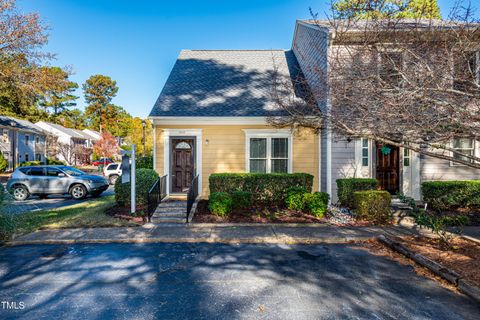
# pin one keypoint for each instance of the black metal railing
(156, 194)
(192, 195)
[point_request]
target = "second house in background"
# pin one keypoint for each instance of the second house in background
(71, 145)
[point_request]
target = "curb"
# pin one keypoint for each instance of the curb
(451, 276)
(265, 240)
(252, 224)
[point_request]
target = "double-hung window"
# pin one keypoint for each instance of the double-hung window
(268, 153)
(463, 146)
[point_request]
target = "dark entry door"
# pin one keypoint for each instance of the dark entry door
(183, 164)
(388, 168)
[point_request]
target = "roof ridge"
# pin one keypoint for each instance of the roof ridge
(235, 50)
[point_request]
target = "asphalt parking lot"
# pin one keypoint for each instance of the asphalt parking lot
(217, 281)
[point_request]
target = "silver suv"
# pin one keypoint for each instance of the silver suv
(45, 180)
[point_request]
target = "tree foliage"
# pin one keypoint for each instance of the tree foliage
(107, 146)
(99, 90)
(23, 79)
(136, 136)
(380, 9)
(407, 83)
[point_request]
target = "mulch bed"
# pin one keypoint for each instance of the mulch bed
(123, 213)
(463, 256)
(256, 214)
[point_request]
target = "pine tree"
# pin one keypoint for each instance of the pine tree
(378, 9)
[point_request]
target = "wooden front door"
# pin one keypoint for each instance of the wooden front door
(183, 164)
(387, 168)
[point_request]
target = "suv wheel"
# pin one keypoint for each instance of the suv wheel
(113, 178)
(78, 192)
(20, 193)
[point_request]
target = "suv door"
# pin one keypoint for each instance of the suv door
(56, 181)
(36, 179)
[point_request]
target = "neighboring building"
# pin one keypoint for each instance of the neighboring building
(212, 116)
(21, 141)
(75, 146)
(92, 133)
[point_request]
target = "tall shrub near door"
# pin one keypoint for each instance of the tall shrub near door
(347, 187)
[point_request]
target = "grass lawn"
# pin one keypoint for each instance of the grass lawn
(89, 214)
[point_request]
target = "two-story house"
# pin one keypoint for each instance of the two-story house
(21, 141)
(75, 146)
(213, 115)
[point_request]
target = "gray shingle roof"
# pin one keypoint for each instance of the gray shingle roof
(224, 83)
(20, 124)
(71, 132)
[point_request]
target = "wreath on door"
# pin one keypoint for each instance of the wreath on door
(385, 150)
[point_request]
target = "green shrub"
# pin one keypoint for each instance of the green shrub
(52, 161)
(145, 178)
(440, 224)
(30, 163)
(316, 203)
(241, 199)
(220, 203)
(264, 187)
(3, 163)
(294, 199)
(346, 188)
(144, 162)
(373, 205)
(449, 195)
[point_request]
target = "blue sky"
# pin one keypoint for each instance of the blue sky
(136, 42)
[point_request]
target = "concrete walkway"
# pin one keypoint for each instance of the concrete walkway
(273, 233)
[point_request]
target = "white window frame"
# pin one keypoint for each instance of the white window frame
(473, 148)
(407, 154)
(268, 134)
(363, 147)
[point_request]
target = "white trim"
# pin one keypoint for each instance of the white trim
(167, 133)
(268, 134)
(319, 154)
(209, 120)
(415, 179)
(155, 148)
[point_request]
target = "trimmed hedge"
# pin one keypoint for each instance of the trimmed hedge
(145, 178)
(294, 199)
(241, 199)
(316, 203)
(449, 195)
(144, 162)
(220, 203)
(51, 161)
(373, 205)
(30, 163)
(346, 188)
(264, 187)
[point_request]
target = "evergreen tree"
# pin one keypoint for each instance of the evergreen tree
(99, 90)
(378, 9)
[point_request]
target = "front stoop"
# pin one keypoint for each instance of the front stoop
(170, 211)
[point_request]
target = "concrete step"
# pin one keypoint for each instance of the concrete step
(171, 214)
(168, 219)
(167, 210)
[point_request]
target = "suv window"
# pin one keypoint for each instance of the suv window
(35, 172)
(53, 172)
(112, 167)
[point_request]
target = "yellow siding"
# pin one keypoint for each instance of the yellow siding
(225, 151)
